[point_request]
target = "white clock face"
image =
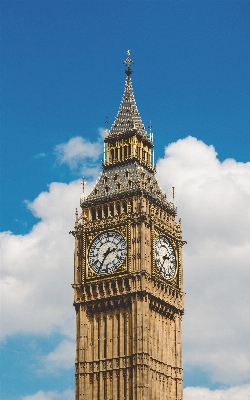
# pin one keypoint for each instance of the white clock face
(165, 257)
(107, 252)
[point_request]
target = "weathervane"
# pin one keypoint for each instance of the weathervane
(128, 62)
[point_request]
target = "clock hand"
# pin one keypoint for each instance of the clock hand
(107, 252)
(166, 257)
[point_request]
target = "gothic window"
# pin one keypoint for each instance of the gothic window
(98, 387)
(98, 338)
(96, 191)
(99, 213)
(116, 176)
(125, 207)
(125, 333)
(112, 155)
(127, 174)
(111, 207)
(118, 335)
(105, 337)
(106, 211)
(118, 185)
(106, 189)
(105, 387)
(125, 151)
(125, 384)
(118, 385)
(118, 208)
(93, 214)
(105, 179)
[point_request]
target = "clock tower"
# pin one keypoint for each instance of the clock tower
(128, 278)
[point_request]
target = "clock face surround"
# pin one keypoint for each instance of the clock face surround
(107, 252)
(165, 257)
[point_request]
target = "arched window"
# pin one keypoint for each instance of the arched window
(111, 207)
(93, 214)
(106, 211)
(99, 213)
(118, 208)
(118, 334)
(125, 207)
(105, 337)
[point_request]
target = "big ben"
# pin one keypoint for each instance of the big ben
(128, 274)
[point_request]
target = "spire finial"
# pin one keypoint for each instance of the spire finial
(83, 183)
(150, 131)
(173, 192)
(150, 126)
(107, 122)
(128, 62)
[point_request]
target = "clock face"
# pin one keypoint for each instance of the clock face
(165, 257)
(107, 252)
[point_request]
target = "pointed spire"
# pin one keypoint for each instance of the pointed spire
(128, 117)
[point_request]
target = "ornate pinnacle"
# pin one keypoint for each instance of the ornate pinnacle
(82, 183)
(128, 62)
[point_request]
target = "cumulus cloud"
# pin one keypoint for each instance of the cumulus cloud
(234, 393)
(53, 395)
(37, 268)
(62, 358)
(77, 150)
(190, 393)
(213, 201)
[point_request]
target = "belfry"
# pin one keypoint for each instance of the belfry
(128, 275)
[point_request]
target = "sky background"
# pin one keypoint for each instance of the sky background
(62, 73)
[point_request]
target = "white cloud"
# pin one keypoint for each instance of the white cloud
(102, 133)
(40, 155)
(233, 393)
(37, 268)
(213, 201)
(66, 395)
(190, 393)
(77, 150)
(62, 358)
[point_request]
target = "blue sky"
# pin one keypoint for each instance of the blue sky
(61, 75)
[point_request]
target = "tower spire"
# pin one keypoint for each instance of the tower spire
(128, 117)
